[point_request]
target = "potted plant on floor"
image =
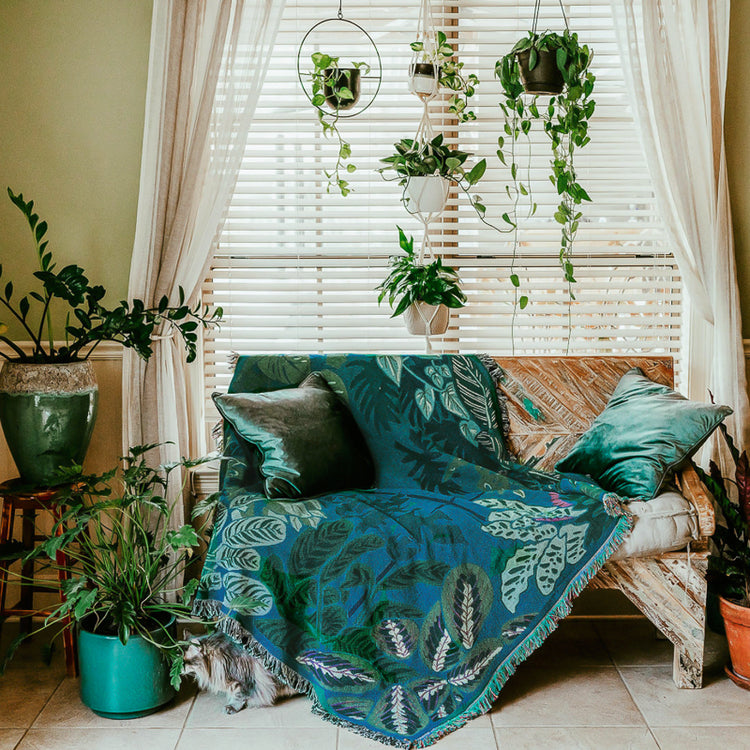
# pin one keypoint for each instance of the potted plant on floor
(556, 64)
(126, 586)
(729, 567)
(436, 68)
(336, 89)
(48, 393)
(425, 170)
(423, 293)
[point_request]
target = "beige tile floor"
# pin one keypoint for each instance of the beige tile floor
(602, 685)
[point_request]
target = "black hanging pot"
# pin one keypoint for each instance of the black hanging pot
(546, 77)
(424, 78)
(337, 79)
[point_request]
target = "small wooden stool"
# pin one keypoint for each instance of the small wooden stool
(16, 497)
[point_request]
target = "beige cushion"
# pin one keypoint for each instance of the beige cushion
(666, 523)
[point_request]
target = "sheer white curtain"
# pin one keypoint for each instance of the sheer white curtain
(207, 64)
(676, 53)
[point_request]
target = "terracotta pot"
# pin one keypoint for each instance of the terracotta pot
(339, 78)
(423, 319)
(737, 625)
(545, 78)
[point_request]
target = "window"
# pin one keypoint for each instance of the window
(296, 268)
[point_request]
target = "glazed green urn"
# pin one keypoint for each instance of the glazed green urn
(122, 681)
(47, 412)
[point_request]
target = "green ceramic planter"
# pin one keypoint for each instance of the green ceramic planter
(122, 682)
(47, 412)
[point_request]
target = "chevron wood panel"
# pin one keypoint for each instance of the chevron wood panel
(552, 401)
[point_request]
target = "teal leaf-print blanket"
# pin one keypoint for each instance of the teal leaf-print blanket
(402, 610)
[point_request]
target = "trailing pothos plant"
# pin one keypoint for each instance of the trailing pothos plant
(87, 321)
(414, 158)
(126, 564)
(336, 88)
(410, 281)
(439, 53)
(565, 120)
(729, 567)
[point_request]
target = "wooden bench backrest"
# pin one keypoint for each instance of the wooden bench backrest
(552, 401)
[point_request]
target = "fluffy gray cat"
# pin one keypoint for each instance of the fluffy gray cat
(221, 665)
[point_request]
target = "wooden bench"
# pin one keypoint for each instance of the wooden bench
(551, 402)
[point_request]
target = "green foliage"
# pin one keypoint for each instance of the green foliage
(565, 120)
(440, 53)
(127, 566)
(88, 321)
(327, 76)
(730, 566)
(410, 282)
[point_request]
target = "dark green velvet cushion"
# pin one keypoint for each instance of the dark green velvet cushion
(645, 432)
(308, 441)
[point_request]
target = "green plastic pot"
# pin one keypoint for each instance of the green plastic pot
(47, 412)
(122, 682)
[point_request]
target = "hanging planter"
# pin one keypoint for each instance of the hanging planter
(341, 88)
(339, 91)
(427, 320)
(539, 71)
(424, 79)
(427, 194)
(423, 293)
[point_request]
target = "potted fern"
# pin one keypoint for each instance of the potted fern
(48, 392)
(729, 565)
(126, 586)
(425, 170)
(423, 293)
(536, 65)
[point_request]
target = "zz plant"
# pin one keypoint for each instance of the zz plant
(450, 74)
(336, 88)
(410, 281)
(565, 119)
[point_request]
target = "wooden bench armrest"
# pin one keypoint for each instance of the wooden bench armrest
(696, 493)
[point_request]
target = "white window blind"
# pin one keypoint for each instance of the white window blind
(296, 268)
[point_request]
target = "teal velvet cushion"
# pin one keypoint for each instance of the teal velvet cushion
(645, 432)
(308, 441)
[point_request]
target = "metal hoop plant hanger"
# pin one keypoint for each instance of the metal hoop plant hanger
(379, 77)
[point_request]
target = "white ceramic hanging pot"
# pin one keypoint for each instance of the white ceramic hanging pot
(424, 79)
(427, 320)
(427, 195)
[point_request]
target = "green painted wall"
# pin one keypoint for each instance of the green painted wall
(737, 135)
(72, 98)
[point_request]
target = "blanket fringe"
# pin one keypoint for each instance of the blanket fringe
(211, 609)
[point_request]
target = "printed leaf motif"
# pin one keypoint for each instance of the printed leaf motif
(423, 571)
(520, 529)
(452, 402)
(239, 586)
(472, 391)
(357, 641)
(288, 370)
(512, 509)
(436, 647)
(470, 430)
(517, 626)
(243, 558)
(351, 551)
(435, 375)
(474, 666)
(391, 366)
(467, 599)
(515, 578)
(425, 399)
(431, 693)
(551, 564)
(332, 620)
(314, 547)
(340, 671)
(284, 634)
(399, 712)
(397, 637)
(257, 531)
(575, 536)
(355, 710)
(358, 575)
